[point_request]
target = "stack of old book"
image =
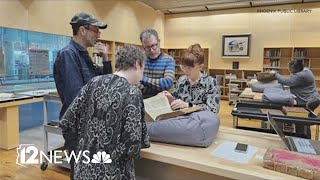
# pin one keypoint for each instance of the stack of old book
(293, 163)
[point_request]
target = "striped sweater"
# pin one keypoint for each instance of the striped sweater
(158, 75)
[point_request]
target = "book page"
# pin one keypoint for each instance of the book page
(157, 105)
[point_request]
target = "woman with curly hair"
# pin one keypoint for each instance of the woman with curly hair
(107, 117)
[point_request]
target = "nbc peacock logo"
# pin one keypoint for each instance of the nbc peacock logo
(101, 157)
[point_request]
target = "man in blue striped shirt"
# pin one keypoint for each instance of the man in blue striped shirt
(159, 68)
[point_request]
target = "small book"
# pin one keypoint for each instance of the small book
(158, 108)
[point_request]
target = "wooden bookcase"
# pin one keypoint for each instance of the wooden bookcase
(177, 55)
(225, 77)
(277, 59)
(282, 55)
(113, 48)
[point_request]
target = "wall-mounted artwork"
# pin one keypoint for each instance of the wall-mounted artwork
(236, 45)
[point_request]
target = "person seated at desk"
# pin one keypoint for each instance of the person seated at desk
(302, 84)
(108, 116)
(194, 88)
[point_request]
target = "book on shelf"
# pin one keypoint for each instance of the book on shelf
(158, 108)
(300, 53)
(266, 62)
(271, 63)
(273, 53)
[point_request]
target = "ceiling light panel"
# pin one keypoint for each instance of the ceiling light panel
(165, 11)
(273, 2)
(188, 9)
(311, 0)
(204, 2)
(228, 5)
(160, 4)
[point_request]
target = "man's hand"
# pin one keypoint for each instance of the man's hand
(179, 104)
(102, 49)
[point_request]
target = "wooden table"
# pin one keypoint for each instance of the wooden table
(9, 122)
(254, 96)
(172, 162)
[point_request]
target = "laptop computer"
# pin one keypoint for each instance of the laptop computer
(296, 144)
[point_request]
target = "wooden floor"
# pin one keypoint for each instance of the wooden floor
(9, 170)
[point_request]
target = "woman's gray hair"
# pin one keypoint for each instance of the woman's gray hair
(127, 56)
(296, 65)
(147, 33)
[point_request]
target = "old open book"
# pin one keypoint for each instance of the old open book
(158, 108)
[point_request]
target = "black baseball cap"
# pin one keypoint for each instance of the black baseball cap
(84, 18)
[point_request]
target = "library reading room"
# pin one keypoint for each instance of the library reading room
(159, 89)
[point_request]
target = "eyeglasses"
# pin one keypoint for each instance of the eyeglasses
(153, 47)
(95, 30)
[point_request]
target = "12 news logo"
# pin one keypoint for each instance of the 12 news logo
(29, 154)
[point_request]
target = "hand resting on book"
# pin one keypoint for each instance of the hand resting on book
(179, 104)
(169, 96)
(175, 104)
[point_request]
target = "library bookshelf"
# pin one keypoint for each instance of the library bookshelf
(231, 78)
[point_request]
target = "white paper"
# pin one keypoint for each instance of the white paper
(226, 151)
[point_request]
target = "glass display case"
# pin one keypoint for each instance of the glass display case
(26, 62)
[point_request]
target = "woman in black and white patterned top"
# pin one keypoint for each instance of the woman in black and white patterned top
(194, 88)
(108, 116)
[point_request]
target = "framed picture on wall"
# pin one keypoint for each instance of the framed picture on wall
(236, 45)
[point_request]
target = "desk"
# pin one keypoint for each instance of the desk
(172, 162)
(252, 110)
(9, 122)
(249, 95)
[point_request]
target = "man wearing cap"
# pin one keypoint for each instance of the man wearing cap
(74, 67)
